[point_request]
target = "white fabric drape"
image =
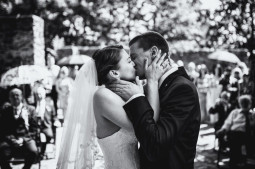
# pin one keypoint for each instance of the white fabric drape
(78, 142)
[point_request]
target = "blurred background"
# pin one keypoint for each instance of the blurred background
(43, 44)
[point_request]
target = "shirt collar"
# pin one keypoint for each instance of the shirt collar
(169, 72)
(19, 107)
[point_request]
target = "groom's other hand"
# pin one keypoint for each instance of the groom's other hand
(126, 89)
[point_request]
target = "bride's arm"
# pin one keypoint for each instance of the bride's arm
(153, 74)
(153, 97)
(110, 106)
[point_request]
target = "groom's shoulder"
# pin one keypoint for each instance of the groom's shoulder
(182, 83)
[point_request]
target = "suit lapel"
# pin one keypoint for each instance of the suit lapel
(168, 81)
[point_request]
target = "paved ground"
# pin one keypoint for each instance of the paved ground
(205, 158)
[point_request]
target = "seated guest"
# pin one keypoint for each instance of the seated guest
(46, 113)
(246, 85)
(222, 108)
(239, 124)
(17, 130)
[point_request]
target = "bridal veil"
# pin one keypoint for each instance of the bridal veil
(78, 144)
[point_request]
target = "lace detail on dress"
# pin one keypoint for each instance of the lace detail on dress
(120, 150)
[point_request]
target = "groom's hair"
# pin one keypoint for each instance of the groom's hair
(150, 39)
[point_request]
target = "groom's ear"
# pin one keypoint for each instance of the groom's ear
(153, 52)
(114, 73)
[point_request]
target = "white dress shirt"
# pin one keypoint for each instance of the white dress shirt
(17, 110)
(236, 121)
(21, 111)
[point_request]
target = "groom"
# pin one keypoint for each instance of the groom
(169, 143)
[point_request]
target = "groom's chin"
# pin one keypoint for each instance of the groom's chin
(141, 77)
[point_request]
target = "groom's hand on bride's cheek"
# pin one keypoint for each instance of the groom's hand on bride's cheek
(125, 89)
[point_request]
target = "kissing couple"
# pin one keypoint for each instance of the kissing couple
(151, 126)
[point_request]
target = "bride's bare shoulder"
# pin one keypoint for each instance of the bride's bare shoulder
(106, 94)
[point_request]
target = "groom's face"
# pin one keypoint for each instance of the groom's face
(138, 56)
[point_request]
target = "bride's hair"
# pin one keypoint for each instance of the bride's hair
(106, 59)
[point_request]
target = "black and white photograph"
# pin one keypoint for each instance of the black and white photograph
(127, 84)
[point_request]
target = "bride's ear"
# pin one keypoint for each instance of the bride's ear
(114, 74)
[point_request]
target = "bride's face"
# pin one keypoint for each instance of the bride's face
(126, 67)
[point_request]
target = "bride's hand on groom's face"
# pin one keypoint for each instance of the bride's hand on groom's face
(157, 68)
(126, 89)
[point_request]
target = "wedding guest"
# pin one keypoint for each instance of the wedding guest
(63, 87)
(220, 112)
(193, 74)
(46, 115)
(17, 130)
(246, 86)
(243, 67)
(222, 108)
(52, 67)
(224, 80)
(238, 125)
(74, 71)
(233, 88)
(202, 86)
(217, 71)
(54, 71)
(180, 63)
(213, 90)
(4, 95)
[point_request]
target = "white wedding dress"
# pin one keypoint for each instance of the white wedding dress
(120, 150)
(79, 148)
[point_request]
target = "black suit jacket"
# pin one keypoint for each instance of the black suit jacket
(169, 143)
(11, 128)
(223, 113)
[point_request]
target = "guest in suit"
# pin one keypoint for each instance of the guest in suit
(17, 130)
(224, 80)
(246, 86)
(169, 143)
(46, 115)
(222, 108)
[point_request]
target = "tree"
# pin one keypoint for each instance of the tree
(95, 22)
(174, 19)
(80, 22)
(233, 26)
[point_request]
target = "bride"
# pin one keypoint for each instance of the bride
(96, 114)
